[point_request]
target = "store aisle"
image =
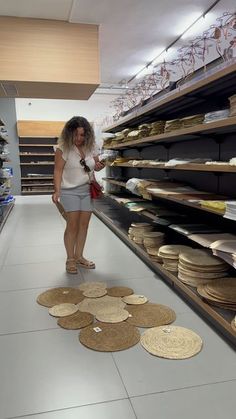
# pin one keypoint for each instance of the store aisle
(46, 373)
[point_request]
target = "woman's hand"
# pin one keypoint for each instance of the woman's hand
(55, 197)
(99, 166)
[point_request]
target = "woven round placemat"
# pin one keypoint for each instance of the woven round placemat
(173, 250)
(77, 320)
(201, 289)
(109, 337)
(198, 268)
(150, 315)
(200, 258)
(172, 342)
(95, 292)
(233, 324)
(135, 299)
(62, 310)
(112, 316)
(119, 291)
(88, 285)
(93, 305)
(224, 289)
(61, 295)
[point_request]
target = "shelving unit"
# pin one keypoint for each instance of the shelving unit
(36, 144)
(214, 141)
(6, 200)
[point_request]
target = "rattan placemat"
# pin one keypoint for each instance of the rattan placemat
(193, 282)
(77, 320)
(200, 258)
(119, 291)
(61, 295)
(93, 305)
(95, 292)
(172, 342)
(224, 289)
(203, 275)
(233, 324)
(112, 316)
(150, 315)
(215, 301)
(109, 337)
(88, 285)
(200, 268)
(135, 299)
(62, 310)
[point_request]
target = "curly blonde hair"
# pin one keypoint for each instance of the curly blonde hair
(66, 139)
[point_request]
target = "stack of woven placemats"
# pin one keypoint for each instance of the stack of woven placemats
(232, 100)
(173, 125)
(170, 255)
(220, 292)
(190, 121)
(109, 319)
(137, 230)
(198, 267)
(157, 128)
(152, 241)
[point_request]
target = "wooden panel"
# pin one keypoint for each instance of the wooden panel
(59, 54)
(39, 128)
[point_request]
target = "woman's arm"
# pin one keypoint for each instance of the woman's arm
(58, 169)
(99, 165)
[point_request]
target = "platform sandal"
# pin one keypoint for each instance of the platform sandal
(71, 267)
(85, 263)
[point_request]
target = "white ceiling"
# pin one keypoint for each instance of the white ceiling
(132, 32)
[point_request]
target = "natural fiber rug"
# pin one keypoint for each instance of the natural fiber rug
(62, 310)
(119, 291)
(77, 320)
(172, 342)
(112, 316)
(202, 291)
(61, 295)
(95, 292)
(233, 324)
(223, 289)
(135, 299)
(88, 285)
(150, 315)
(109, 337)
(93, 305)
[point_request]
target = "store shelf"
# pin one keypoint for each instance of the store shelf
(36, 145)
(219, 318)
(222, 126)
(28, 185)
(37, 164)
(36, 178)
(36, 154)
(39, 191)
(225, 168)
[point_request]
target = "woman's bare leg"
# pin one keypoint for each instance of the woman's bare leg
(84, 219)
(71, 232)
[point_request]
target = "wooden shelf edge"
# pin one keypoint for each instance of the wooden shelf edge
(209, 313)
(185, 167)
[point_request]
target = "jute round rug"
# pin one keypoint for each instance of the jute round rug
(77, 320)
(233, 324)
(172, 342)
(88, 285)
(223, 289)
(62, 310)
(135, 299)
(119, 291)
(93, 305)
(150, 315)
(61, 295)
(109, 337)
(112, 316)
(95, 292)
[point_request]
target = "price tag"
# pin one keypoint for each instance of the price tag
(97, 329)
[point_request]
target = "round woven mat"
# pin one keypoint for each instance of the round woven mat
(172, 342)
(112, 316)
(200, 258)
(93, 305)
(198, 268)
(224, 289)
(56, 296)
(233, 324)
(95, 292)
(110, 337)
(203, 275)
(202, 291)
(154, 234)
(77, 320)
(88, 285)
(135, 299)
(193, 282)
(119, 291)
(150, 315)
(173, 250)
(62, 310)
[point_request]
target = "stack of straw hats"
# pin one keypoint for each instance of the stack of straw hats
(220, 292)
(157, 128)
(137, 230)
(170, 255)
(232, 100)
(197, 267)
(152, 241)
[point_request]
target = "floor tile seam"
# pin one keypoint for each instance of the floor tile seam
(119, 373)
(29, 331)
(132, 407)
(67, 408)
(38, 288)
(213, 383)
(5, 265)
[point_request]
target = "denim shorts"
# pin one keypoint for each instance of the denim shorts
(76, 199)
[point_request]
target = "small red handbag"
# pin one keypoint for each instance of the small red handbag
(95, 189)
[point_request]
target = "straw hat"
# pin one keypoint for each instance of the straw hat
(150, 315)
(61, 295)
(135, 299)
(109, 337)
(112, 316)
(93, 305)
(62, 310)
(172, 342)
(88, 285)
(77, 320)
(119, 291)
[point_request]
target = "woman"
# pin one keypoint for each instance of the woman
(75, 158)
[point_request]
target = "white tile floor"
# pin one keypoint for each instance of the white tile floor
(46, 373)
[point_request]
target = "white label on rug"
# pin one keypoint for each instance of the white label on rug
(65, 292)
(141, 296)
(166, 330)
(130, 315)
(97, 329)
